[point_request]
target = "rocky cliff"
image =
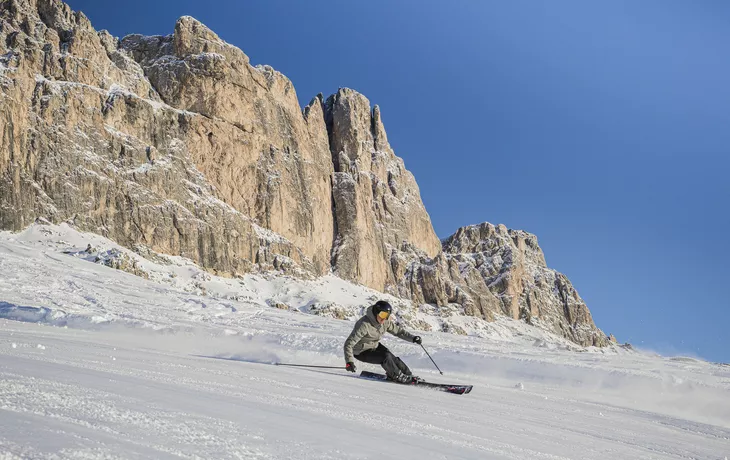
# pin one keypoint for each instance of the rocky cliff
(177, 144)
(493, 271)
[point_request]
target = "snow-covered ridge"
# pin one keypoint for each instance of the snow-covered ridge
(328, 296)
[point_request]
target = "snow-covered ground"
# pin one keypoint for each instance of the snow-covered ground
(99, 363)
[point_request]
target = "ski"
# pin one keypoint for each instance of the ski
(455, 389)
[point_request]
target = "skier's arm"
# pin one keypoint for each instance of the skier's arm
(399, 332)
(355, 336)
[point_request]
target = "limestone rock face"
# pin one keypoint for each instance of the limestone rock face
(276, 166)
(86, 138)
(490, 270)
(178, 145)
(377, 202)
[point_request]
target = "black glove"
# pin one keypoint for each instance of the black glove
(417, 339)
(350, 367)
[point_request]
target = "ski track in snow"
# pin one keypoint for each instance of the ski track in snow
(97, 363)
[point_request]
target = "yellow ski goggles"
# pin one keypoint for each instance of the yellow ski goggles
(384, 314)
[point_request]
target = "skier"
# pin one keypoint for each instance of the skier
(364, 343)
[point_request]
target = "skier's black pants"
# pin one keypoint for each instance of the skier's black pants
(392, 364)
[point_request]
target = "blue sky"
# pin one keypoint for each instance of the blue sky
(601, 127)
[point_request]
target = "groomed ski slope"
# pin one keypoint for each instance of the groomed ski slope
(98, 363)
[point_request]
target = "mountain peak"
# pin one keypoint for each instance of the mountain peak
(177, 143)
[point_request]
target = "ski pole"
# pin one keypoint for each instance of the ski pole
(307, 365)
(434, 362)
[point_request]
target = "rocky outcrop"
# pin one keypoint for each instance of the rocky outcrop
(88, 138)
(376, 200)
(276, 168)
(490, 270)
(177, 144)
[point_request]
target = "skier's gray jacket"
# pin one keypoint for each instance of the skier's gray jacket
(367, 334)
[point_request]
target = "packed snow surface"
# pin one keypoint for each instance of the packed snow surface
(99, 363)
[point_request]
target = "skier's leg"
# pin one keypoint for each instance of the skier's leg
(402, 366)
(406, 371)
(394, 368)
(376, 356)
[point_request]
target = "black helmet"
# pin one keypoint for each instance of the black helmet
(381, 306)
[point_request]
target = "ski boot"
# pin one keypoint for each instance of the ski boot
(401, 378)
